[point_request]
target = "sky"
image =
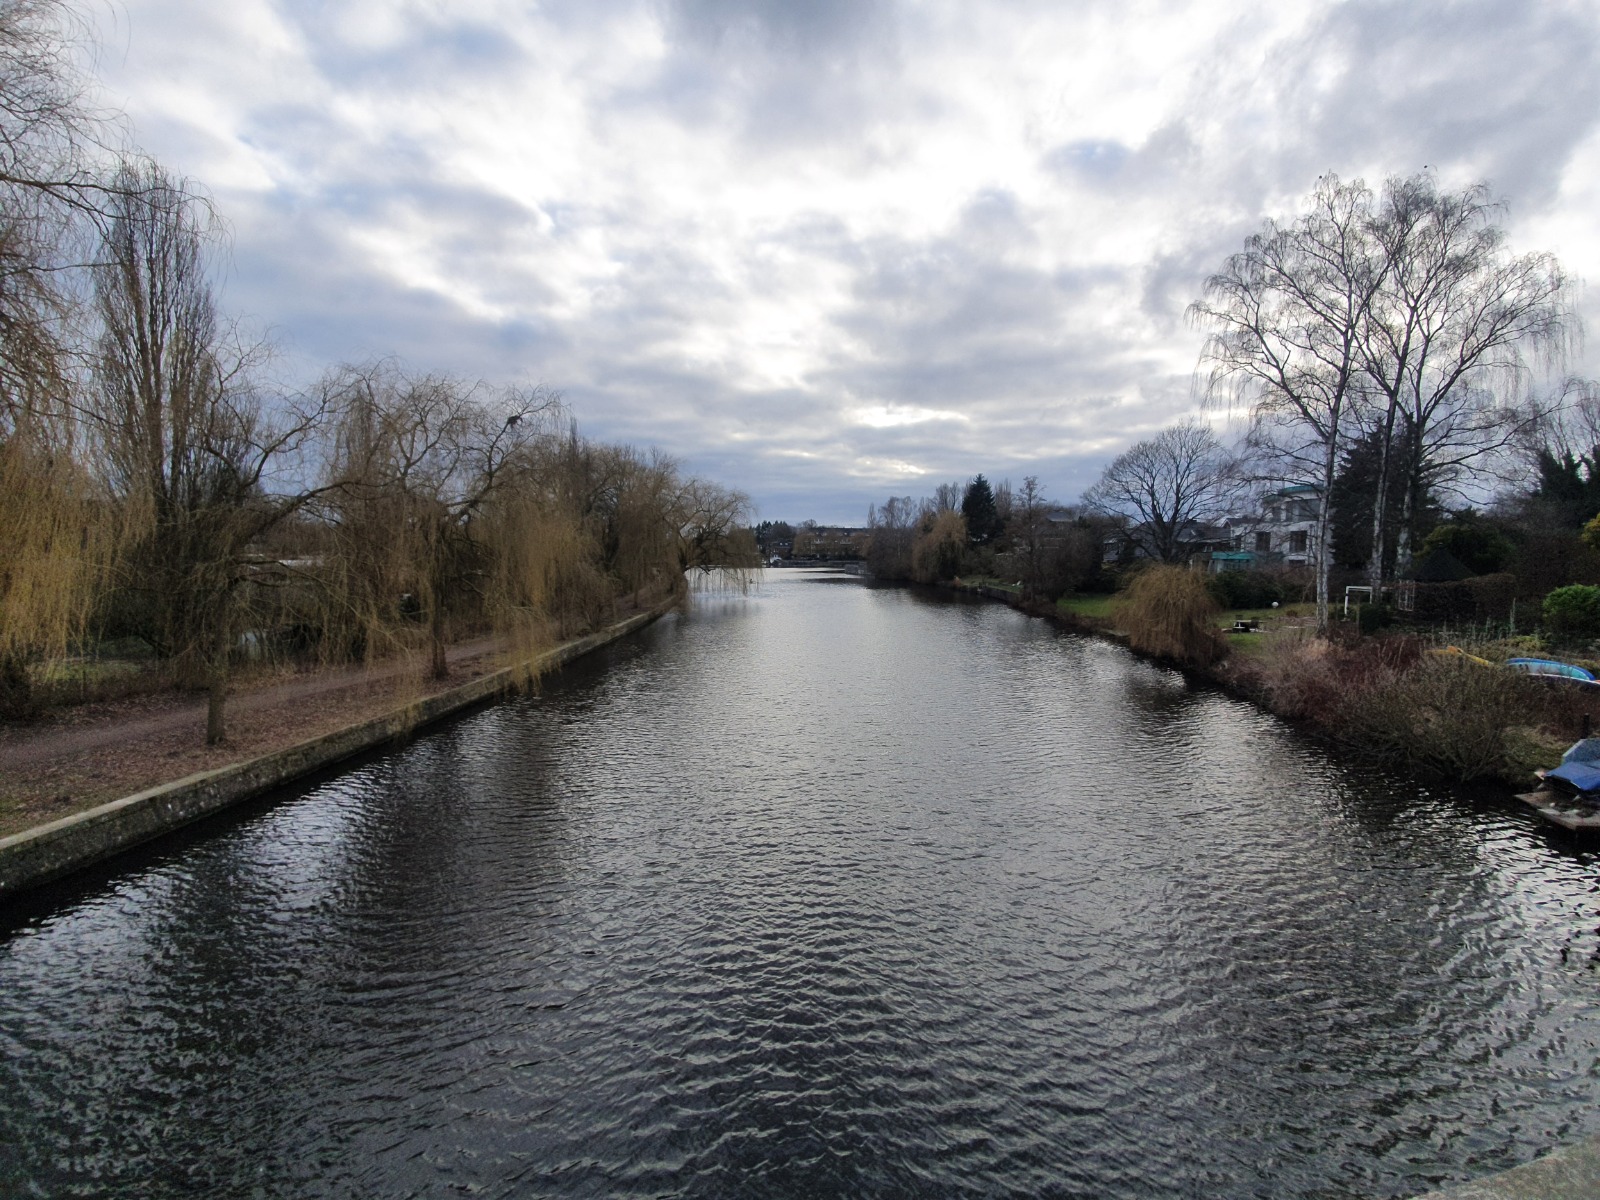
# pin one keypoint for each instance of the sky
(827, 251)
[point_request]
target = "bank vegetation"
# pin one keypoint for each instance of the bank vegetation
(170, 517)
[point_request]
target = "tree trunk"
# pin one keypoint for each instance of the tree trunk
(217, 689)
(439, 667)
(1380, 507)
(1402, 540)
(1330, 462)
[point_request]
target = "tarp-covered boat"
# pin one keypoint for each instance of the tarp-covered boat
(1570, 795)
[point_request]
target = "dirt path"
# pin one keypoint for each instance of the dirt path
(88, 754)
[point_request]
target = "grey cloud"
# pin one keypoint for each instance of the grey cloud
(433, 48)
(805, 27)
(970, 320)
(777, 73)
(1506, 88)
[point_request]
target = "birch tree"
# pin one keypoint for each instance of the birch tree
(1286, 315)
(1444, 341)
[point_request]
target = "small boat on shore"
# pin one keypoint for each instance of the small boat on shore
(1569, 795)
(1549, 668)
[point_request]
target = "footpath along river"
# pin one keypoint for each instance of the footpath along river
(829, 889)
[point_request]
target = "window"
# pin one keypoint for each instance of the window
(1297, 542)
(1263, 543)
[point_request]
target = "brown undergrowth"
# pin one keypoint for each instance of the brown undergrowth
(1396, 700)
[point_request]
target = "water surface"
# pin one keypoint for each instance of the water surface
(824, 890)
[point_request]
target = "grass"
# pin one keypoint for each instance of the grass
(1091, 605)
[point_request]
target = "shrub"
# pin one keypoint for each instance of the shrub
(1478, 545)
(1372, 617)
(1167, 612)
(1448, 717)
(1305, 676)
(1573, 610)
(1245, 589)
(1591, 532)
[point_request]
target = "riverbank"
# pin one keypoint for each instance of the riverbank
(1395, 699)
(112, 779)
(1566, 1173)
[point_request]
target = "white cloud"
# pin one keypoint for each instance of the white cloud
(834, 246)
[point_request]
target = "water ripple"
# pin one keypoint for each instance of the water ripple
(824, 890)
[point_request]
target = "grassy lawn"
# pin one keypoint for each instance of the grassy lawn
(1265, 615)
(989, 581)
(1094, 606)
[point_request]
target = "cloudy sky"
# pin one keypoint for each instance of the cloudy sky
(827, 251)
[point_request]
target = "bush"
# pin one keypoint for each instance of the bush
(1245, 589)
(1308, 677)
(1573, 610)
(1478, 545)
(1372, 617)
(1167, 612)
(1450, 718)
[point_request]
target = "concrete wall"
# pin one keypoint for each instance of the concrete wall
(1570, 1173)
(50, 851)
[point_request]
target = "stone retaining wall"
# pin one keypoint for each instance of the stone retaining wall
(50, 851)
(1570, 1173)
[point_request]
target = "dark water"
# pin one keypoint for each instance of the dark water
(829, 890)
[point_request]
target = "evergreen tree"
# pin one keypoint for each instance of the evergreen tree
(1569, 486)
(1354, 487)
(1354, 490)
(978, 507)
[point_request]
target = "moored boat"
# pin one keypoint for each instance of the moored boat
(1569, 794)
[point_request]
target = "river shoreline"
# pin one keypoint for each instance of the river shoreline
(57, 848)
(1241, 684)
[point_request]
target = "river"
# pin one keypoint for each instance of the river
(826, 889)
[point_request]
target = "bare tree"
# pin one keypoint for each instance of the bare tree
(1444, 338)
(48, 182)
(1286, 315)
(891, 530)
(947, 496)
(1163, 484)
(712, 527)
(1564, 425)
(54, 539)
(1029, 529)
(181, 431)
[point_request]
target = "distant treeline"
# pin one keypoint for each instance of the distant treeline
(977, 529)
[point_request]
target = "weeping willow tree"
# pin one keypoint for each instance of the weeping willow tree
(451, 509)
(420, 499)
(55, 526)
(57, 533)
(711, 524)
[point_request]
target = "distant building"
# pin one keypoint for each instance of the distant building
(1195, 539)
(1283, 533)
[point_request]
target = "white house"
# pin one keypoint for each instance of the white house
(1282, 534)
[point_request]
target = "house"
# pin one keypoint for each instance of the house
(1282, 534)
(1193, 538)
